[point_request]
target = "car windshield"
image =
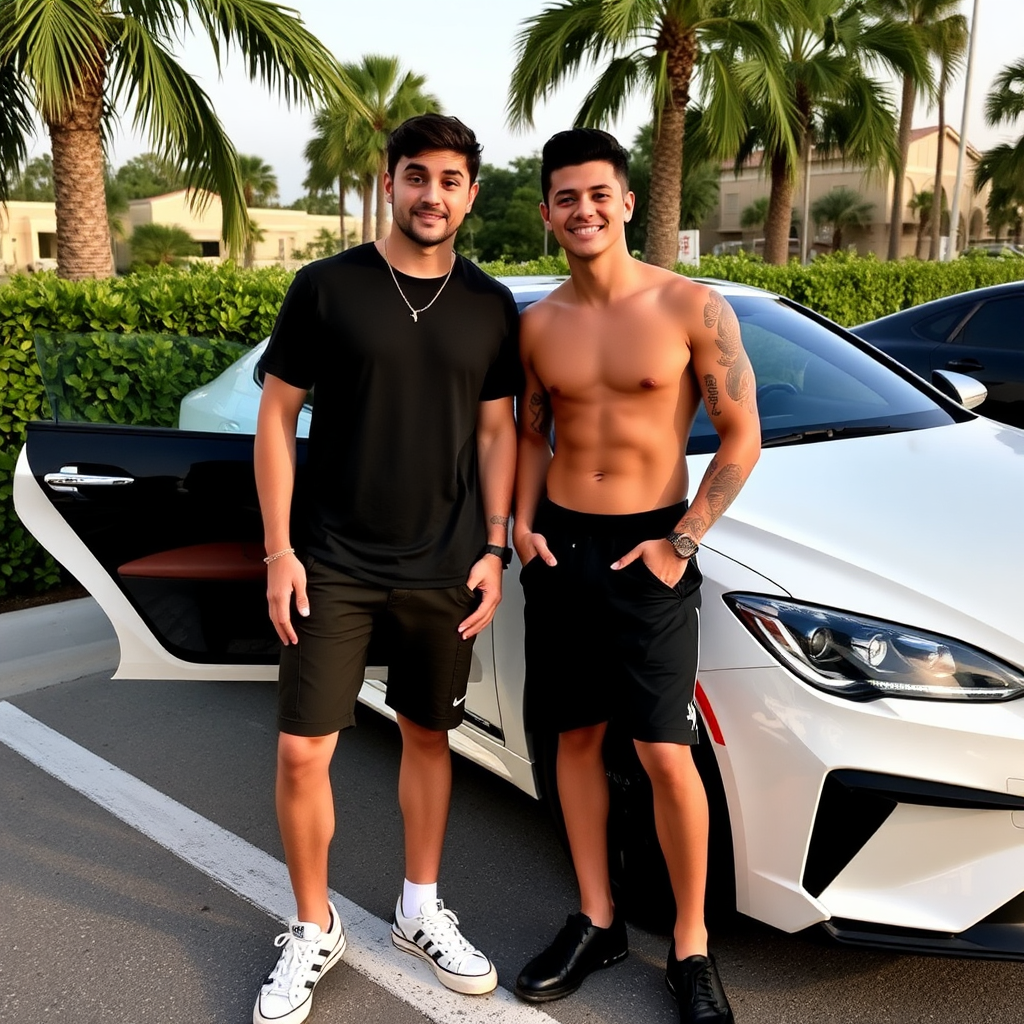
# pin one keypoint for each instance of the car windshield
(814, 385)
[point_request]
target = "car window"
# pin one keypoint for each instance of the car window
(996, 324)
(939, 326)
(812, 383)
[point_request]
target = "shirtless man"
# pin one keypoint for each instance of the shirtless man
(618, 358)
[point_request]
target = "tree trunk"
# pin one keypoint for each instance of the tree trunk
(368, 212)
(341, 213)
(780, 212)
(83, 238)
(933, 252)
(837, 239)
(662, 243)
(896, 214)
(920, 234)
(382, 206)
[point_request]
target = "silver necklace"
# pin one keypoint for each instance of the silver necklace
(415, 313)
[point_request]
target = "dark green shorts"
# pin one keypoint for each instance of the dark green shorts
(428, 662)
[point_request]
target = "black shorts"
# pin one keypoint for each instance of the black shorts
(607, 644)
(428, 662)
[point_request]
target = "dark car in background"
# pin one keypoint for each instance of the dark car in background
(979, 333)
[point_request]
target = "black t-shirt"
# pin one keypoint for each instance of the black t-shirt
(392, 478)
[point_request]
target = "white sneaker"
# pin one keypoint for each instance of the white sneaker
(286, 997)
(434, 936)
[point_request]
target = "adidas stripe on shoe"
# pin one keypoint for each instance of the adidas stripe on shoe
(433, 935)
(308, 953)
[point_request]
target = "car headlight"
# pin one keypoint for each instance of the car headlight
(863, 659)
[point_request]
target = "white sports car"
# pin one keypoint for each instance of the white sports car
(862, 653)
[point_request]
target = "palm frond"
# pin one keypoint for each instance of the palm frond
(550, 49)
(1005, 99)
(181, 122)
(277, 49)
(52, 44)
(15, 125)
(613, 88)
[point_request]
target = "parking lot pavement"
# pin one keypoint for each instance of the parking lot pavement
(54, 643)
(104, 923)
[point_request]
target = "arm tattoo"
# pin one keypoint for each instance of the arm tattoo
(739, 383)
(711, 390)
(712, 309)
(540, 413)
(499, 520)
(725, 485)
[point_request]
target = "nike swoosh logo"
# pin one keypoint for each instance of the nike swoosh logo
(456, 703)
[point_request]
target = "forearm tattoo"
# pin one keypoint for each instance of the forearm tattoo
(540, 413)
(499, 520)
(739, 377)
(723, 487)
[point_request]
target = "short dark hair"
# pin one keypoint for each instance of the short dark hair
(434, 131)
(580, 146)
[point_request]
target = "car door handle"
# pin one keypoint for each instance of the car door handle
(964, 365)
(68, 480)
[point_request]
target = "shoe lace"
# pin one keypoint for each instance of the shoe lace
(704, 989)
(443, 929)
(295, 958)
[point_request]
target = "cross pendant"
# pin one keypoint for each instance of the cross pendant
(415, 317)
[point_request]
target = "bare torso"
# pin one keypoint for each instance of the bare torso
(622, 392)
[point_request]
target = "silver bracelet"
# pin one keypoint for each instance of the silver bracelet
(278, 554)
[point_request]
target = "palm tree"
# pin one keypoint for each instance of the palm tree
(754, 215)
(842, 208)
(334, 161)
(655, 47)
(699, 187)
(259, 182)
(1003, 165)
(162, 245)
(921, 204)
(931, 22)
(950, 47)
(76, 64)
(835, 106)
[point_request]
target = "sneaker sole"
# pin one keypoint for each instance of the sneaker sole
(551, 994)
(466, 984)
(301, 1012)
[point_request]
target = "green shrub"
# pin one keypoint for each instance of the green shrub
(116, 362)
(142, 380)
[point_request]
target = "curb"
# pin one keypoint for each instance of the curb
(54, 643)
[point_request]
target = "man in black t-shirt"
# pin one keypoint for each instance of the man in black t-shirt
(414, 355)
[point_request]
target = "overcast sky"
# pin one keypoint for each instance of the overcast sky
(465, 49)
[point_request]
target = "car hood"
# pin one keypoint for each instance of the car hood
(920, 527)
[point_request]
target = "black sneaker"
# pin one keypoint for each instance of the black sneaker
(579, 948)
(697, 989)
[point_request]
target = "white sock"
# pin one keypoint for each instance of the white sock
(415, 895)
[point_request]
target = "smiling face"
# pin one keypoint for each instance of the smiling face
(587, 208)
(430, 195)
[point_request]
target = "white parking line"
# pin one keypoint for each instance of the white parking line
(248, 871)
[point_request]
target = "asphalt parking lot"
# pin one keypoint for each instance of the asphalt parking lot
(123, 903)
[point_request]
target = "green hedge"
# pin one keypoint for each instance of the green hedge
(126, 350)
(848, 289)
(141, 376)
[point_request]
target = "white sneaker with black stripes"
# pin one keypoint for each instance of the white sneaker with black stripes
(308, 953)
(434, 936)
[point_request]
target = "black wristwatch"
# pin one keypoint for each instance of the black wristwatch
(683, 544)
(505, 554)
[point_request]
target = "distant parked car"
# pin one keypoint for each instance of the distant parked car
(1000, 250)
(979, 333)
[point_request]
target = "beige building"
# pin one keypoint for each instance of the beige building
(28, 237)
(283, 231)
(738, 192)
(28, 232)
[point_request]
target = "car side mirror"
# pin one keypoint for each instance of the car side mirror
(970, 393)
